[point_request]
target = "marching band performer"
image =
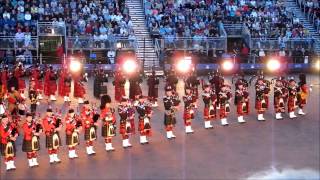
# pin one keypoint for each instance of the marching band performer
(33, 96)
(36, 76)
(172, 80)
(134, 88)
(90, 126)
(73, 127)
(193, 82)
(189, 106)
(292, 98)
(119, 83)
(153, 83)
(50, 84)
(19, 73)
(8, 134)
(108, 129)
(125, 124)
(79, 89)
(224, 104)
(31, 142)
(280, 95)
(52, 125)
(170, 101)
(13, 100)
(210, 105)
(241, 100)
(4, 77)
(144, 110)
(64, 87)
(302, 93)
(262, 87)
(217, 81)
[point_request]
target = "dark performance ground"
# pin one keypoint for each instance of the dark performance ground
(238, 151)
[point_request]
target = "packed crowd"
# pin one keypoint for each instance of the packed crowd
(312, 9)
(269, 19)
(98, 19)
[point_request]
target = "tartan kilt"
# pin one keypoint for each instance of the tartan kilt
(119, 92)
(49, 140)
(3, 148)
(209, 114)
(87, 133)
(69, 140)
(105, 129)
(27, 145)
(187, 115)
(21, 84)
(122, 129)
(291, 104)
(169, 120)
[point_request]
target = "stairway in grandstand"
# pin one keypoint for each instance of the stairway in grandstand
(146, 52)
(293, 6)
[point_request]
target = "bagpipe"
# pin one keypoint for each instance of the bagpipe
(37, 128)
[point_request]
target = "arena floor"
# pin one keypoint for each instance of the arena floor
(239, 151)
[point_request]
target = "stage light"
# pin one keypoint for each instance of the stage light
(273, 65)
(119, 46)
(75, 66)
(227, 65)
(184, 65)
(129, 66)
(317, 65)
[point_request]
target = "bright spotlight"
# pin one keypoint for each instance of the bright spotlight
(273, 65)
(317, 65)
(184, 65)
(129, 66)
(75, 66)
(227, 65)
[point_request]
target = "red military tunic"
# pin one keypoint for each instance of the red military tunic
(64, 87)
(119, 82)
(210, 105)
(28, 131)
(19, 73)
(79, 90)
(36, 75)
(50, 85)
(4, 79)
(48, 127)
(242, 102)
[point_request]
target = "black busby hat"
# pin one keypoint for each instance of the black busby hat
(71, 111)
(49, 110)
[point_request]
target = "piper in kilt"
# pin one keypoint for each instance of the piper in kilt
(19, 73)
(171, 102)
(108, 129)
(144, 110)
(192, 82)
(303, 92)
(241, 101)
(8, 135)
(224, 104)
(52, 126)
(4, 75)
(262, 87)
(73, 127)
(210, 105)
(292, 98)
(64, 87)
(134, 88)
(31, 142)
(36, 76)
(33, 96)
(125, 124)
(153, 84)
(280, 94)
(89, 126)
(119, 82)
(79, 89)
(189, 106)
(50, 84)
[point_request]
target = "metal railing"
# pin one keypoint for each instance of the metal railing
(10, 42)
(51, 29)
(274, 44)
(195, 43)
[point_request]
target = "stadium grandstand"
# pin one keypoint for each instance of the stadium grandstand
(158, 31)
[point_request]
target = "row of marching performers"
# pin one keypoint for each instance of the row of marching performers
(43, 81)
(74, 123)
